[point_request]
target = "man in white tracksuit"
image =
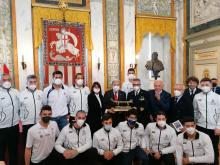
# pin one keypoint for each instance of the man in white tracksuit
(132, 134)
(75, 142)
(108, 142)
(56, 95)
(9, 117)
(207, 112)
(193, 146)
(160, 141)
(30, 104)
(78, 96)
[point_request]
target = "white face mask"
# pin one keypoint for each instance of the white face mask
(205, 89)
(80, 122)
(57, 81)
(96, 90)
(177, 93)
(116, 88)
(108, 127)
(131, 76)
(190, 130)
(79, 82)
(136, 88)
(6, 84)
(161, 123)
(32, 87)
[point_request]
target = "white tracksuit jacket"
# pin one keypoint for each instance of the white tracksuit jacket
(30, 106)
(199, 150)
(9, 107)
(163, 140)
(131, 137)
(108, 141)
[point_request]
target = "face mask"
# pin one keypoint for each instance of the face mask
(190, 130)
(177, 93)
(80, 122)
(79, 82)
(206, 89)
(136, 88)
(214, 84)
(131, 76)
(131, 122)
(96, 90)
(6, 84)
(46, 119)
(57, 81)
(32, 87)
(116, 88)
(108, 127)
(161, 123)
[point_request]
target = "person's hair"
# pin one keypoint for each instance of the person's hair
(106, 116)
(136, 79)
(188, 119)
(192, 78)
(161, 113)
(78, 74)
(115, 80)
(80, 111)
(32, 76)
(45, 108)
(206, 79)
(131, 70)
(214, 78)
(57, 72)
(94, 85)
(132, 111)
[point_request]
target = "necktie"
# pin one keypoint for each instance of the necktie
(136, 93)
(115, 96)
(176, 99)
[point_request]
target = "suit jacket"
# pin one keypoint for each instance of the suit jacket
(217, 90)
(141, 102)
(162, 105)
(95, 112)
(187, 93)
(109, 97)
(180, 109)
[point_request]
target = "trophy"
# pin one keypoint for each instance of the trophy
(122, 106)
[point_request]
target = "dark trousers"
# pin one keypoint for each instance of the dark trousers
(88, 157)
(166, 159)
(116, 160)
(53, 159)
(128, 157)
(9, 139)
(215, 141)
(24, 133)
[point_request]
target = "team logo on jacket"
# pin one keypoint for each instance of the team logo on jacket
(213, 102)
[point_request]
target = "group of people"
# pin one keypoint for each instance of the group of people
(76, 125)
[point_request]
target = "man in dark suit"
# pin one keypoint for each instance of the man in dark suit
(140, 101)
(215, 87)
(192, 89)
(181, 106)
(159, 99)
(115, 94)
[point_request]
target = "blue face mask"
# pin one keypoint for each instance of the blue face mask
(131, 122)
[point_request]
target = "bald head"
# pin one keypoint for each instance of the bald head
(158, 85)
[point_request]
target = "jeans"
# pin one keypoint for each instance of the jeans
(128, 157)
(61, 121)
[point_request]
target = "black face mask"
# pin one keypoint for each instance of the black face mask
(214, 84)
(46, 119)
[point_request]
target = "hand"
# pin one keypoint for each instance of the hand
(186, 161)
(183, 129)
(157, 95)
(157, 155)
(111, 110)
(151, 118)
(108, 155)
(67, 154)
(217, 132)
